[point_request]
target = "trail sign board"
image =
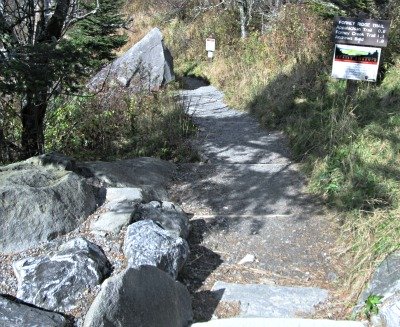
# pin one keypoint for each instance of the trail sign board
(356, 63)
(210, 44)
(363, 32)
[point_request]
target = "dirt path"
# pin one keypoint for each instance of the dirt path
(248, 198)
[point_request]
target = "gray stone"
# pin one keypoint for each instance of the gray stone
(279, 322)
(146, 243)
(386, 283)
(389, 311)
(112, 222)
(15, 313)
(57, 281)
(146, 66)
(271, 301)
(48, 160)
(150, 174)
(122, 203)
(121, 194)
(167, 214)
(386, 279)
(48, 199)
(143, 297)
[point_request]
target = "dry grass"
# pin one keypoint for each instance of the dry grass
(350, 147)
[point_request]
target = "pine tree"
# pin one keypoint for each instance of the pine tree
(47, 47)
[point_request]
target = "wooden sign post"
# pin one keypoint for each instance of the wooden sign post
(210, 47)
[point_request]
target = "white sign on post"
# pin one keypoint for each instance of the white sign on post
(210, 44)
(355, 62)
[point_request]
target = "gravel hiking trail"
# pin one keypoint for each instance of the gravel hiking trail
(252, 220)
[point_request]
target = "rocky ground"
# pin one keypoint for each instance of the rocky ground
(252, 220)
(260, 246)
(132, 227)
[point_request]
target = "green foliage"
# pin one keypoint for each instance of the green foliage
(187, 41)
(115, 124)
(97, 36)
(371, 305)
(43, 57)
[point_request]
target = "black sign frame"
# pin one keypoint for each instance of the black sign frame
(360, 31)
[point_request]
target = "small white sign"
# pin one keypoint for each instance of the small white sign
(210, 54)
(210, 44)
(355, 62)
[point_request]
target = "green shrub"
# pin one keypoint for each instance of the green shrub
(115, 124)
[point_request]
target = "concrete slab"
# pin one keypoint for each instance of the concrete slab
(132, 194)
(112, 222)
(278, 322)
(272, 301)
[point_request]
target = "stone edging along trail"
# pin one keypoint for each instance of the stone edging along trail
(252, 220)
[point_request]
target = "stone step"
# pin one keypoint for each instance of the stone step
(256, 300)
(279, 322)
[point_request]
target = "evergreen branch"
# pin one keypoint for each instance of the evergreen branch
(84, 16)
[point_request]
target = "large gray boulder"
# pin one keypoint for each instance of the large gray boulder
(50, 160)
(143, 297)
(41, 201)
(167, 214)
(146, 243)
(15, 313)
(144, 67)
(386, 283)
(150, 174)
(57, 282)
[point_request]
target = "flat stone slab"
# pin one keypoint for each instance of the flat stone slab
(118, 194)
(272, 301)
(112, 222)
(279, 322)
(122, 203)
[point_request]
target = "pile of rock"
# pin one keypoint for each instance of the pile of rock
(71, 273)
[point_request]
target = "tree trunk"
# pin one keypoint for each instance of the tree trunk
(243, 18)
(3, 147)
(32, 115)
